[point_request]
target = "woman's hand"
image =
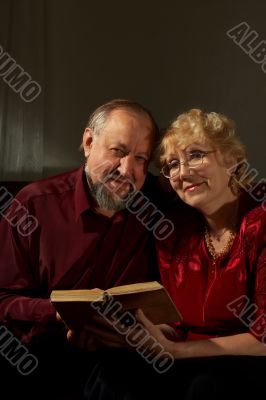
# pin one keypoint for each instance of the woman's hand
(171, 333)
(164, 334)
(100, 333)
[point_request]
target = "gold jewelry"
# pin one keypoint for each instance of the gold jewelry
(208, 240)
(219, 235)
(232, 233)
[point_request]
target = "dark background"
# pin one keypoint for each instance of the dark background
(170, 56)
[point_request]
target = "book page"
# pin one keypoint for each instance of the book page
(135, 288)
(77, 295)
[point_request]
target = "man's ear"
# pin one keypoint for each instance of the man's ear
(87, 141)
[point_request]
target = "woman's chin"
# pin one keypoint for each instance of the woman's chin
(195, 200)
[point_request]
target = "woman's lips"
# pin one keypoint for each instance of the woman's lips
(193, 187)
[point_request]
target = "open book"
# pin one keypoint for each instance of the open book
(77, 307)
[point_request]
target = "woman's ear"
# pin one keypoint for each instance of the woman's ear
(232, 166)
(233, 174)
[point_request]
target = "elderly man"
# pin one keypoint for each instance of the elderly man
(83, 237)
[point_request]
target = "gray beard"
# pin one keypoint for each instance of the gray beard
(104, 198)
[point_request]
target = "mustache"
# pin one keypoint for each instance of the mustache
(117, 176)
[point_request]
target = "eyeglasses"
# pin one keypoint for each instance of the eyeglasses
(193, 160)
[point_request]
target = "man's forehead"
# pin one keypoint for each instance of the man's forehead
(128, 114)
(125, 122)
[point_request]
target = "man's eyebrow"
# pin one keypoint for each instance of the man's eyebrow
(120, 145)
(125, 149)
(123, 146)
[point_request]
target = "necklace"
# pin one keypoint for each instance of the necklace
(219, 235)
(208, 240)
(228, 244)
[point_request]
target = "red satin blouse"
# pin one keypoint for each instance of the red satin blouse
(222, 297)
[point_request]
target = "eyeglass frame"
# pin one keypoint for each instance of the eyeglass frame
(204, 154)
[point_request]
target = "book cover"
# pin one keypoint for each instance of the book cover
(77, 307)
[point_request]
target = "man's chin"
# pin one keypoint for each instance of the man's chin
(120, 191)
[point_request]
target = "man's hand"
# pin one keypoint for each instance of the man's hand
(58, 318)
(98, 334)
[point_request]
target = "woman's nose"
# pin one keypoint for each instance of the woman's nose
(184, 169)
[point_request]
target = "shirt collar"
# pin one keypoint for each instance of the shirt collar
(82, 197)
(82, 201)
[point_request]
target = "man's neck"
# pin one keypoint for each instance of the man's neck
(106, 213)
(225, 217)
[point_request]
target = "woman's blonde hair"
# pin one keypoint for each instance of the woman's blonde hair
(197, 126)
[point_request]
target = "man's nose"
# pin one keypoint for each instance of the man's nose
(126, 166)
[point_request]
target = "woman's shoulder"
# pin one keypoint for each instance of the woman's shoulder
(253, 217)
(252, 209)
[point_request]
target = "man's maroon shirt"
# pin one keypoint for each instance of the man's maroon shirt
(72, 248)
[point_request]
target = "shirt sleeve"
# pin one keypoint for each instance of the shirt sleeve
(23, 308)
(258, 324)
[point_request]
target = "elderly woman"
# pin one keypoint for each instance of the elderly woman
(214, 264)
(214, 267)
